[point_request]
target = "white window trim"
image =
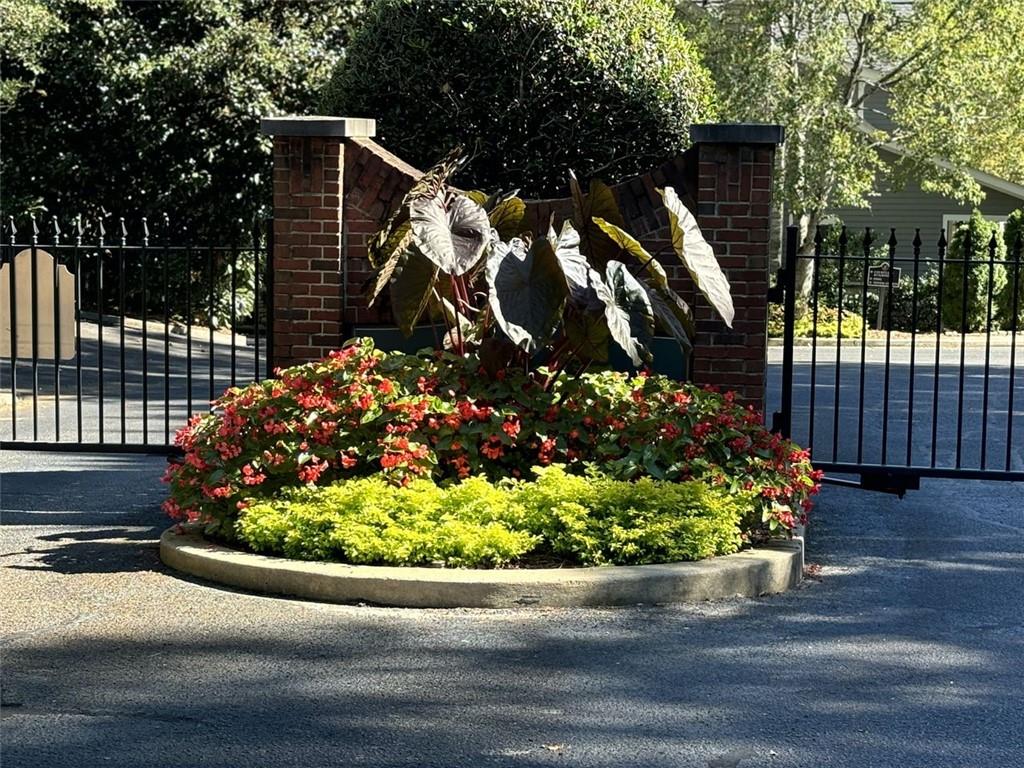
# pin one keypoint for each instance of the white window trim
(949, 220)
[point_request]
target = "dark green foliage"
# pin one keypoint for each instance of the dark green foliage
(1012, 232)
(902, 295)
(146, 108)
(853, 268)
(591, 520)
(531, 87)
(984, 281)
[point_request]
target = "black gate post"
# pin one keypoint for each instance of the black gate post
(782, 420)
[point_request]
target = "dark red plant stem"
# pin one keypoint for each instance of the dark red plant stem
(461, 350)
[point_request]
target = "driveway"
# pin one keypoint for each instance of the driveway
(904, 651)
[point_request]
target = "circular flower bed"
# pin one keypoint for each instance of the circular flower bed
(362, 413)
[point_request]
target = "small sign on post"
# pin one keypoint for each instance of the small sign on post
(879, 277)
(882, 278)
(53, 331)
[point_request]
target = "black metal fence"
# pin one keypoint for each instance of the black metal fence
(905, 364)
(158, 329)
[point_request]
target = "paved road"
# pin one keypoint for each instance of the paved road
(153, 405)
(906, 653)
(889, 413)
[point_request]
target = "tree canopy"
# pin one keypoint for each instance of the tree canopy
(145, 108)
(952, 71)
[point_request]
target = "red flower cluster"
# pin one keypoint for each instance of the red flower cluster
(345, 416)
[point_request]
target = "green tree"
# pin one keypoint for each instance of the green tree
(146, 108)
(531, 87)
(1013, 239)
(953, 71)
(967, 302)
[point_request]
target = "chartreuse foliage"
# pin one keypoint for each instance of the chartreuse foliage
(470, 261)
(583, 520)
(827, 325)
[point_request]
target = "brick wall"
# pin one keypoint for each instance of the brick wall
(307, 322)
(725, 178)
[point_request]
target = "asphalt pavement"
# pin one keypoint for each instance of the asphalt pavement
(905, 649)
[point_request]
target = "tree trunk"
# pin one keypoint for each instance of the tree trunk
(805, 251)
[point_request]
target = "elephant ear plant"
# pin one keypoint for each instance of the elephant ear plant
(517, 298)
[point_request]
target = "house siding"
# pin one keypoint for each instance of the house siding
(910, 208)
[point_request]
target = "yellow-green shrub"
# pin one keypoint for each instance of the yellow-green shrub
(589, 520)
(804, 327)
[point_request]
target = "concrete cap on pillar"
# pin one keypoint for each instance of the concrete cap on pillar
(319, 126)
(737, 133)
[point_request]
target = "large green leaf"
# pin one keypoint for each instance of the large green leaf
(398, 244)
(412, 286)
(527, 291)
(668, 319)
(453, 236)
(698, 257)
(378, 249)
(628, 312)
(507, 217)
(588, 336)
(580, 277)
(426, 186)
(599, 203)
(670, 310)
(629, 244)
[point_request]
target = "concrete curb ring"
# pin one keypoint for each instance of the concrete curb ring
(766, 570)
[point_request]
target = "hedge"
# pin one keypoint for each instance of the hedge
(531, 87)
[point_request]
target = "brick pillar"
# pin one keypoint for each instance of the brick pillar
(308, 249)
(735, 165)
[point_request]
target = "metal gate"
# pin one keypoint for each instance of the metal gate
(901, 362)
(108, 344)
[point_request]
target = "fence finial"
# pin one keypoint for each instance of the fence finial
(917, 239)
(892, 239)
(11, 229)
(35, 229)
(56, 230)
(124, 230)
(942, 241)
(145, 231)
(79, 229)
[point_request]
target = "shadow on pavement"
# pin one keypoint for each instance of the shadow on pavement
(112, 550)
